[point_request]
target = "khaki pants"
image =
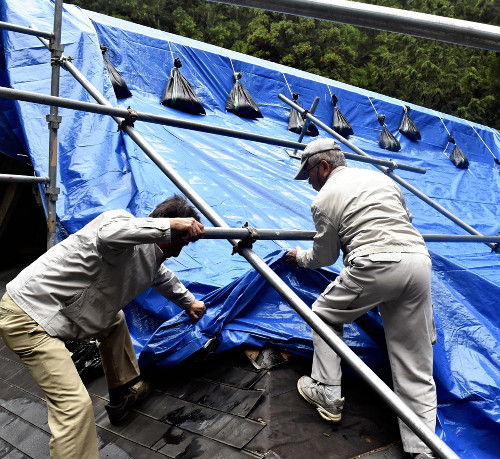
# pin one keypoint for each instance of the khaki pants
(401, 289)
(71, 415)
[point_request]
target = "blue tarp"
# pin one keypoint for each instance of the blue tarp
(102, 169)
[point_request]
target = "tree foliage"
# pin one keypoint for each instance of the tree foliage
(449, 78)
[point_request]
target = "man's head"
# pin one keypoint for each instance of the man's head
(319, 159)
(174, 208)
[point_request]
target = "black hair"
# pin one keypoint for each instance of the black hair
(175, 207)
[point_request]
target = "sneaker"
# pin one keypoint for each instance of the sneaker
(117, 413)
(314, 392)
(423, 456)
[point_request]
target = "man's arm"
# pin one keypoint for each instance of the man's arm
(326, 247)
(169, 286)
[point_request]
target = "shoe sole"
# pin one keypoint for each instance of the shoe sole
(326, 415)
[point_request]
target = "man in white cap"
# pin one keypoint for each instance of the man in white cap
(363, 213)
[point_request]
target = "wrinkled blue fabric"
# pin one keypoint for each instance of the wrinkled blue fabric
(100, 168)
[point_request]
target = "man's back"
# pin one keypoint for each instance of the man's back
(367, 211)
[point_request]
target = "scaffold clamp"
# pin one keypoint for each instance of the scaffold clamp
(133, 115)
(246, 243)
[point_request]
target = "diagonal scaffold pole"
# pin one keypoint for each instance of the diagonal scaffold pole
(392, 400)
(387, 171)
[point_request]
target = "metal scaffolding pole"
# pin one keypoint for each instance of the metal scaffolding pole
(392, 400)
(249, 233)
(456, 31)
(132, 116)
(25, 30)
(388, 172)
(23, 179)
(53, 119)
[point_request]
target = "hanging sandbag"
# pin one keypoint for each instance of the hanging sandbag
(119, 85)
(387, 141)
(296, 122)
(408, 127)
(240, 102)
(457, 156)
(340, 124)
(179, 93)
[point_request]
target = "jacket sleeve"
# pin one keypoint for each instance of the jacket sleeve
(168, 285)
(122, 230)
(326, 247)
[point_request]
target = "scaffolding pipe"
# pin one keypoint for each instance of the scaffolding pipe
(23, 179)
(393, 401)
(53, 119)
(387, 171)
(25, 30)
(28, 96)
(448, 30)
(265, 234)
(305, 127)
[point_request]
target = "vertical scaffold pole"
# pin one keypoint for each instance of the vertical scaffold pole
(53, 119)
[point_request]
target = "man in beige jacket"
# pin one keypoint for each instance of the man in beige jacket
(77, 290)
(363, 213)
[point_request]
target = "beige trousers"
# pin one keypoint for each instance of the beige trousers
(400, 285)
(71, 415)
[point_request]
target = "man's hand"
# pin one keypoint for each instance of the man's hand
(188, 229)
(291, 257)
(197, 309)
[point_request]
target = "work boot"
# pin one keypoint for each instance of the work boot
(314, 392)
(138, 391)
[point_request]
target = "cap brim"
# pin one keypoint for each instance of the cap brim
(301, 172)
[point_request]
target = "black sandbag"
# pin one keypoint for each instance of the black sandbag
(340, 124)
(179, 93)
(296, 123)
(387, 141)
(240, 102)
(408, 127)
(457, 156)
(86, 358)
(119, 85)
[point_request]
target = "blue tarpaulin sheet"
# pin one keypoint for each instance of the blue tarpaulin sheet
(100, 168)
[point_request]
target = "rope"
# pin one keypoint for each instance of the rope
(449, 133)
(489, 149)
(366, 94)
(288, 86)
(171, 52)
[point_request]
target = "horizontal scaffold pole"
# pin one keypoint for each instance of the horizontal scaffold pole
(308, 235)
(25, 30)
(440, 28)
(23, 179)
(133, 116)
(390, 398)
(387, 171)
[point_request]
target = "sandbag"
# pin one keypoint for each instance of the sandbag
(296, 122)
(457, 156)
(119, 85)
(387, 141)
(408, 127)
(340, 124)
(240, 102)
(87, 360)
(179, 93)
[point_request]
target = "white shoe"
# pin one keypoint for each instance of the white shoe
(314, 392)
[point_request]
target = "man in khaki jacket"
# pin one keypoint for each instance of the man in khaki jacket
(363, 213)
(77, 290)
